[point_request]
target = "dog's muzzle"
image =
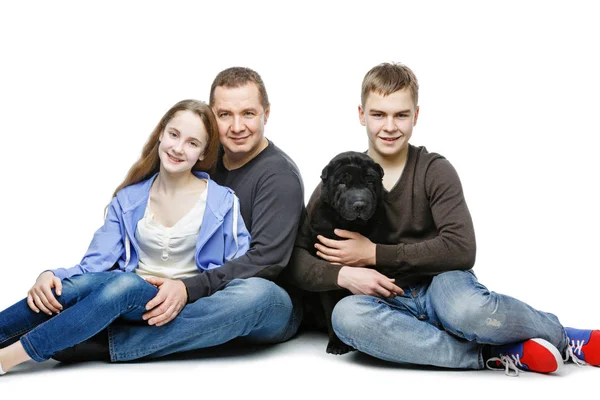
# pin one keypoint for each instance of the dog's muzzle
(357, 204)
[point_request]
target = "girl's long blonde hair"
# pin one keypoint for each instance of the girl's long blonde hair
(149, 163)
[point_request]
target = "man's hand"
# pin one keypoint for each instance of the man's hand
(166, 305)
(355, 251)
(40, 296)
(367, 281)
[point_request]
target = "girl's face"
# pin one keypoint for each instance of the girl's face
(182, 143)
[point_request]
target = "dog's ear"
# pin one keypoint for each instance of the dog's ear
(328, 170)
(378, 168)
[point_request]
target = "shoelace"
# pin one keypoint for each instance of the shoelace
(510, 364)
(575, 347)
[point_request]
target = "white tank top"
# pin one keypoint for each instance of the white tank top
(170, 252)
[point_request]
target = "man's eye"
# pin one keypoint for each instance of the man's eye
(223, 115)
(377, 115)
(249, 114)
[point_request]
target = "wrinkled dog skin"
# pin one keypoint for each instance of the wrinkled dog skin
(351, 195)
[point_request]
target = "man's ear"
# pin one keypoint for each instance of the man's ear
(266, 114)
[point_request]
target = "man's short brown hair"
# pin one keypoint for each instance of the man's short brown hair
(387, 78)
(236, 77)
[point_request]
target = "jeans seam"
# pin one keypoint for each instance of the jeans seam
(35, 356)
(18, 334)
(150, 350)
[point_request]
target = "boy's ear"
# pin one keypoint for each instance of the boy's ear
(361, 115)
(416, 115)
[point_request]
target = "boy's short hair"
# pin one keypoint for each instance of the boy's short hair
(387, 78)
(237, 77)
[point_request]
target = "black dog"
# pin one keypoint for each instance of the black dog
(351, 197)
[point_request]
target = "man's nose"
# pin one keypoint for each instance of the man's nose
(237, 125)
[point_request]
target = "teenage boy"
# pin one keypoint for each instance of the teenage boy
(435, 312)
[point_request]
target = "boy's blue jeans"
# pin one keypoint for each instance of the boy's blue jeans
(90, 303)
(443, 323)
(254, 308)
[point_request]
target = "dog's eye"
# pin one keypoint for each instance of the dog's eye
(344, 179)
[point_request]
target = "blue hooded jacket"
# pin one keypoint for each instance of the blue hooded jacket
(223, 234)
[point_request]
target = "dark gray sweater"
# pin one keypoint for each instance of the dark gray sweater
(425, 229)
(271, 202)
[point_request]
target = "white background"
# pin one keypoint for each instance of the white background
(509, 94)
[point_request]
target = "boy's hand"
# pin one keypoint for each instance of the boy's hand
(40, 296)
(355, 251)
(367, 281)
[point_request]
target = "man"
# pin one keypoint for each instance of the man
(221, 304)
(435, 312)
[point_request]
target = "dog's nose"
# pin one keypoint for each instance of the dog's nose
(359, 206)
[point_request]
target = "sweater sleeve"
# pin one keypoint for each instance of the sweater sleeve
(275, 216)
(104, 250)
(454, 246)
(307, 271)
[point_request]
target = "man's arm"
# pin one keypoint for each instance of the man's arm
(275, 217)
(305, 270)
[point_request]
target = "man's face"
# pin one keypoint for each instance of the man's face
(389, 121)
(241, 119)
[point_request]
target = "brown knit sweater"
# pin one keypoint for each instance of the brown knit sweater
(426, 229)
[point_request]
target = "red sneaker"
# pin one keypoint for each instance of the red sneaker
(535, 355)
(584, 346)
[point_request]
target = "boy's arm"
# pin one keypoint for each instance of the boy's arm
(454, 246)
(451, 249)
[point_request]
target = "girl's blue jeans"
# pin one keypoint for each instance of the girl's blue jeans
(90, 303)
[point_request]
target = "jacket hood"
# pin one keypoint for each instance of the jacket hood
(219, 198)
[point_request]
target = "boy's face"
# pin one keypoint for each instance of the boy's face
(389, 121)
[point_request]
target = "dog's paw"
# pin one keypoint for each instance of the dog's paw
(337, 347)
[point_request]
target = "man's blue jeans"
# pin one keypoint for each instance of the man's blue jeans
(444, 323)
(90, 303)
(254, 308)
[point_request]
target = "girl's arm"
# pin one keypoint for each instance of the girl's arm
(106, 247)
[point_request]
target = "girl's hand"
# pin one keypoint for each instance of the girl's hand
(40, 296)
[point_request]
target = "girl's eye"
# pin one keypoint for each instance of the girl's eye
(172, 134)
(194, 144)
